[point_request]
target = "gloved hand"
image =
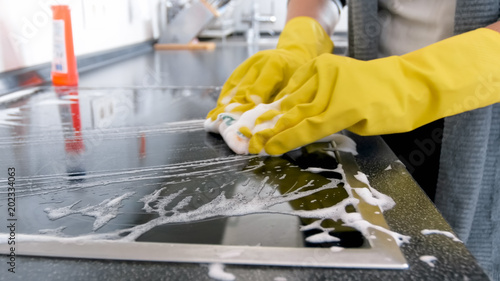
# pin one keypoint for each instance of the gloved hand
(389, 95)
(264, 74)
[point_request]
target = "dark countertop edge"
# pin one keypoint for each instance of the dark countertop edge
(37, 75)
(414, 211)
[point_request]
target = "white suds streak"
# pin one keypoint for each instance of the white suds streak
(152, 197)
(258, 205)
(108, 133)
(197, 169)
(429, 260)
(162, 203)
(222, 206)
(163, 168)
(322, 237)
(102, 212)
(441, 232)
(216, 271)
(355, 220)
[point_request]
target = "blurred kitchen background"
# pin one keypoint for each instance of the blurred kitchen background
(102, 25)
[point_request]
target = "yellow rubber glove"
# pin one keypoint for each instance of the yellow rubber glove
(264, 74)
(389, 95)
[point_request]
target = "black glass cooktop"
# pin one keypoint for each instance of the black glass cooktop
(135, 165)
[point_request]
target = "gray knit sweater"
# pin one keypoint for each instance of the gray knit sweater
(468, 189)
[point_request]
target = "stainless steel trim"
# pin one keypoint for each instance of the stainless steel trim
(251, 255)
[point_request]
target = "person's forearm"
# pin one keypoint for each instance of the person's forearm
(311, 8)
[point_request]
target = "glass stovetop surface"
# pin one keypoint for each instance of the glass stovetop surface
(135, 165)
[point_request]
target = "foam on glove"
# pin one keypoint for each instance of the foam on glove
(238, 129)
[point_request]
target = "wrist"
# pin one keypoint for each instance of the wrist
(494, 26)
(325, 12)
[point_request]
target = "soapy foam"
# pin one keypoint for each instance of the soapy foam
(230, 130)
(336, 249)
(58, 213)
(374, 197)
(362, 178)
(364, 226)
(314, 225)
(216, 271)
(150, 198)
(183, 203)
(211, 126)
(441, 232)
(222, 121)
(429, 260)
(342, 143)
(103, 212)
(227, 98)
(399, 161)
(355, 220)
(366, 195)
(221, 206)
(239, 143)
(267, 125)
(322, 237)
(53, 232)
(162, 203)
(20, 237)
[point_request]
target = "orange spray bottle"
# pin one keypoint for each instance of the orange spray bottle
(64, 71)
(65, 74)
